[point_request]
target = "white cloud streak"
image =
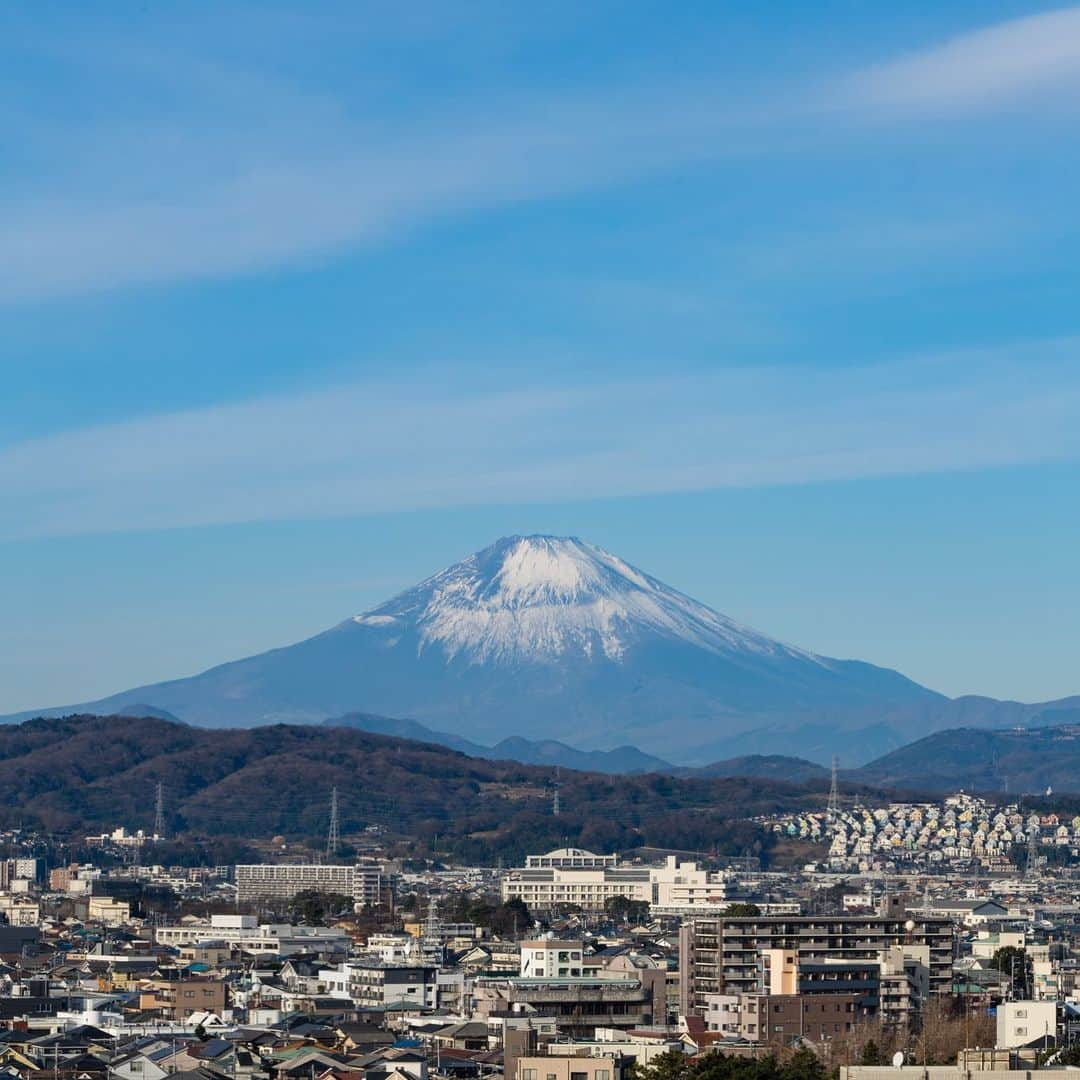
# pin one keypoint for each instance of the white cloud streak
(373, 448)
(237, 173)
(986, 68)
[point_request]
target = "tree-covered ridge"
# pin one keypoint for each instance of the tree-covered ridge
(84, 774)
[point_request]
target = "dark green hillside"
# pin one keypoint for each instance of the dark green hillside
(791, 770)
(83, 774)
(1018, 761)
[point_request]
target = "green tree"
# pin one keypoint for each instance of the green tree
(1070, 1056)
(623, 909)
(314, 907)
(741, 911)
(803, 1065)
(1015, 963)
(871, 1054)
(671, 1065)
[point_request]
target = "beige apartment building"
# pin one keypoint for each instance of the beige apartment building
(572, 1068)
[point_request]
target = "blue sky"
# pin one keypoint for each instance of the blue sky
(299, 303)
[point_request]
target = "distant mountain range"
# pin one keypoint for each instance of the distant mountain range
(555, 642)
(1016, 761)
(1019, 761)
(622, 759)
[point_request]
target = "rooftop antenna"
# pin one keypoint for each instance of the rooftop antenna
(159, 812)
(333, 837)
(555, 808)
(833, 808)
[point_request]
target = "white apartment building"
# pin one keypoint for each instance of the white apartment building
(551, 958)
(245, 933)
(282, 881)
(1022, 1022)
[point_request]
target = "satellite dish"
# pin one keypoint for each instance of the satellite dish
(898, 1059)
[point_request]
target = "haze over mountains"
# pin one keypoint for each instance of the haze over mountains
(551, 639)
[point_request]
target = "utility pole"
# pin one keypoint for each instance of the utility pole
(333, 837)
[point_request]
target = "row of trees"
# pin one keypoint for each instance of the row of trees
(800, 1065)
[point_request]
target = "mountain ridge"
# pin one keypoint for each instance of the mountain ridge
(554, 640)
(76, 775)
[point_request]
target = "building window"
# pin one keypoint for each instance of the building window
(528, 1074)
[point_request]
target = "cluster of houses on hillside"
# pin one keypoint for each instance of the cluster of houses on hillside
(961, 830)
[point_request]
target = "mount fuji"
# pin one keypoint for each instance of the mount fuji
(554, 639)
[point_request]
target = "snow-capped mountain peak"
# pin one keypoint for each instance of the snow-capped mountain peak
(546, 597)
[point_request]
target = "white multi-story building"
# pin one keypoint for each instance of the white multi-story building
(572, 876)
(551, 958)
(1022, 1022)
(245, 933)
(282, 881)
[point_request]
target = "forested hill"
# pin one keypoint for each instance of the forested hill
(1022, 760)
(81, 775)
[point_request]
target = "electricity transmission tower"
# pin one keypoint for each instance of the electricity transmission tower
(555, 808)
(333, 836)
(1031, 866)
(159, 811)
(834, 791)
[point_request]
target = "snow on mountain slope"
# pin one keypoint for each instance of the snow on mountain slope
(552, 638)
(533, 598)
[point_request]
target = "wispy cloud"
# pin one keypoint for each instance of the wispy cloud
(210, 169)
(287, 201)
(378, 447)
(988, 67)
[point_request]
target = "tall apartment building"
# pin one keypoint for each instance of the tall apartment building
(282, 881)
(723, 955)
